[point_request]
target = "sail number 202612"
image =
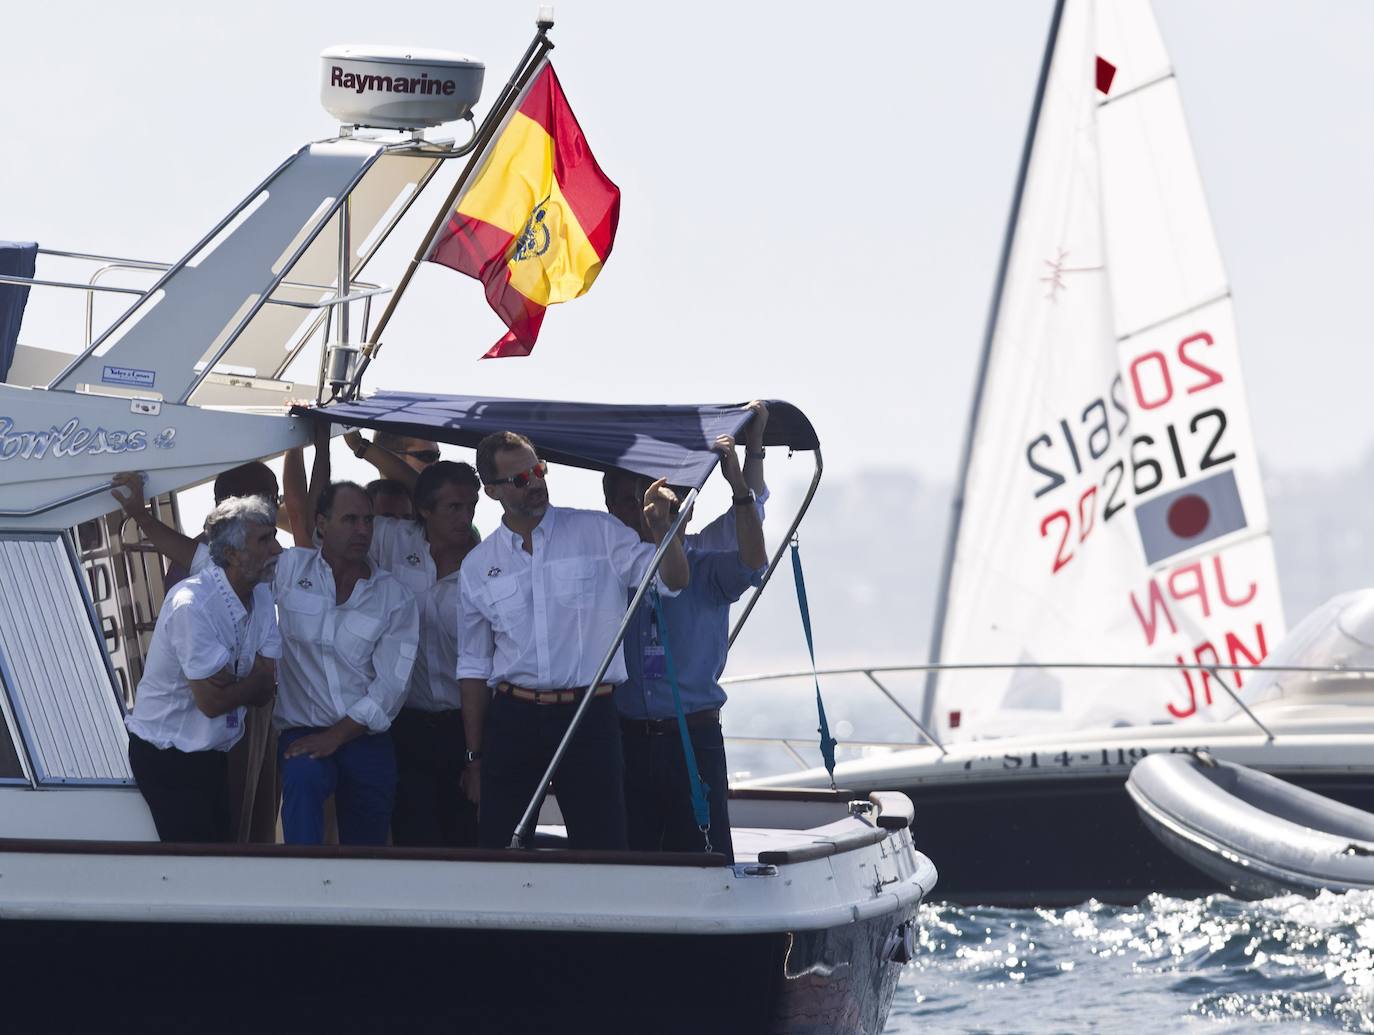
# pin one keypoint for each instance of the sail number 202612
(1120, 468)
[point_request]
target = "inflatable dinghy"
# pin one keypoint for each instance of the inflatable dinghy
(1257, 834)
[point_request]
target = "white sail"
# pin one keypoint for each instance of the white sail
(1113, 510)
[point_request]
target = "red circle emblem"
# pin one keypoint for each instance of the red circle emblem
(1189, 516)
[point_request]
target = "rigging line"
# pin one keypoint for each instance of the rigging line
(1221, 297)
(993, 666)
(1136, 89)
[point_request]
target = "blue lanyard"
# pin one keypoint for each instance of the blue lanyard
(828, 742)
(701, 805)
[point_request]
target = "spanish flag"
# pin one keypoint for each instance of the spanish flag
(538, 218)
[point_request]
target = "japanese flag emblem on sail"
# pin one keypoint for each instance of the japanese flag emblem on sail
(1190, 516)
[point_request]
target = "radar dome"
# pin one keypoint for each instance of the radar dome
(398, 87)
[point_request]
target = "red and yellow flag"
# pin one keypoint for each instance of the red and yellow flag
(538, 219)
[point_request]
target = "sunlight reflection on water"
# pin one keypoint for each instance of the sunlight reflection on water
(1162, 965)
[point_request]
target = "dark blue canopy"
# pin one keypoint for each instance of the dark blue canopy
(17, 259)
(672, 442)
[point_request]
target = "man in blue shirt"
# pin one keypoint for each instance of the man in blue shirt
(696, 629)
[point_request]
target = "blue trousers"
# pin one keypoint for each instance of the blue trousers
(361, 776)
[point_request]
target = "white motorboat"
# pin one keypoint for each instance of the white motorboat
(1109, 582)
(104, 927)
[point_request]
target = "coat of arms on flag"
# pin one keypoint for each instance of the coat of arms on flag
(538, 219)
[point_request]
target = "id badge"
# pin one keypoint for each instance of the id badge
(232, 720)
(654, 665)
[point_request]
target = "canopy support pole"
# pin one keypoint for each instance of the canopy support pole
(957, 508)
(782, 549)
(524, 69)
(526, 825)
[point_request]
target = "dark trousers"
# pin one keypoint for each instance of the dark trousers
(431, 754)
(518, 742)
(658, 796)
(186, 791)
(361, 777)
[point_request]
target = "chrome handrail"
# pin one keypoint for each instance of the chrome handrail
(1214, 669)
(783, 544)
(6, 278)
(790, 744)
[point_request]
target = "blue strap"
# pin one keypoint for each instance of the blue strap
(828, 742)
(701, 804)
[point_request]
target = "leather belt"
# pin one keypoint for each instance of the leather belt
(551, 696)
(662, 727)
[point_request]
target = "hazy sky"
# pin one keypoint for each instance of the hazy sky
(814, 194)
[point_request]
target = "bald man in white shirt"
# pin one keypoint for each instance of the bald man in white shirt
(540, 603)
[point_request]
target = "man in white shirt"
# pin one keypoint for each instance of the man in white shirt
(540, 603)
(349, 632)
(431, 751)
(253, 803)
(213, 653)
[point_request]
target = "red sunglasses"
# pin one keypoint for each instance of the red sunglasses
(522, 478)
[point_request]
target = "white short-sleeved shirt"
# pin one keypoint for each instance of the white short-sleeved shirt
(351, 659)
(399, 545)
(545, 620)
(202, 628)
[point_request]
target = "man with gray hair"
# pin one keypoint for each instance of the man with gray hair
(213, 653)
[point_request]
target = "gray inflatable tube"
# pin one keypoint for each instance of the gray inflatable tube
(1252, 831)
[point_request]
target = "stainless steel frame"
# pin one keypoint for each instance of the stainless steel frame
(782, 547)
(167, 275)
(309, 239)
(870, 673)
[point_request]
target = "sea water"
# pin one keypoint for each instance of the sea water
(1165, 965)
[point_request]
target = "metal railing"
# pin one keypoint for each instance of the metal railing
(358, 290)
(871, 672)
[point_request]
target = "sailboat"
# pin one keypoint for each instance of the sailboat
(1109, 583)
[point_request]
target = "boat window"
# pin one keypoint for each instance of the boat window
(10, 767)
(57, 682)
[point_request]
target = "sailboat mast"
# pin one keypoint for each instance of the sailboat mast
(957, 509)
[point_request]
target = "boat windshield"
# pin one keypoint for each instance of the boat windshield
(1340, 633)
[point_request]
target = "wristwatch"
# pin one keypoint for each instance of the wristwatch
(756, 454)
(747, 500)
(474, 756)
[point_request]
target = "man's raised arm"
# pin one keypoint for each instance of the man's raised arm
(166, 540)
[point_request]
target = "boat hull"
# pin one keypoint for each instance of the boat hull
(806, 933)
(149, 977)
(1022, 842)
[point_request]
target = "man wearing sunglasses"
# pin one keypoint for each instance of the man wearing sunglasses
(540, 604)
(398, 457)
